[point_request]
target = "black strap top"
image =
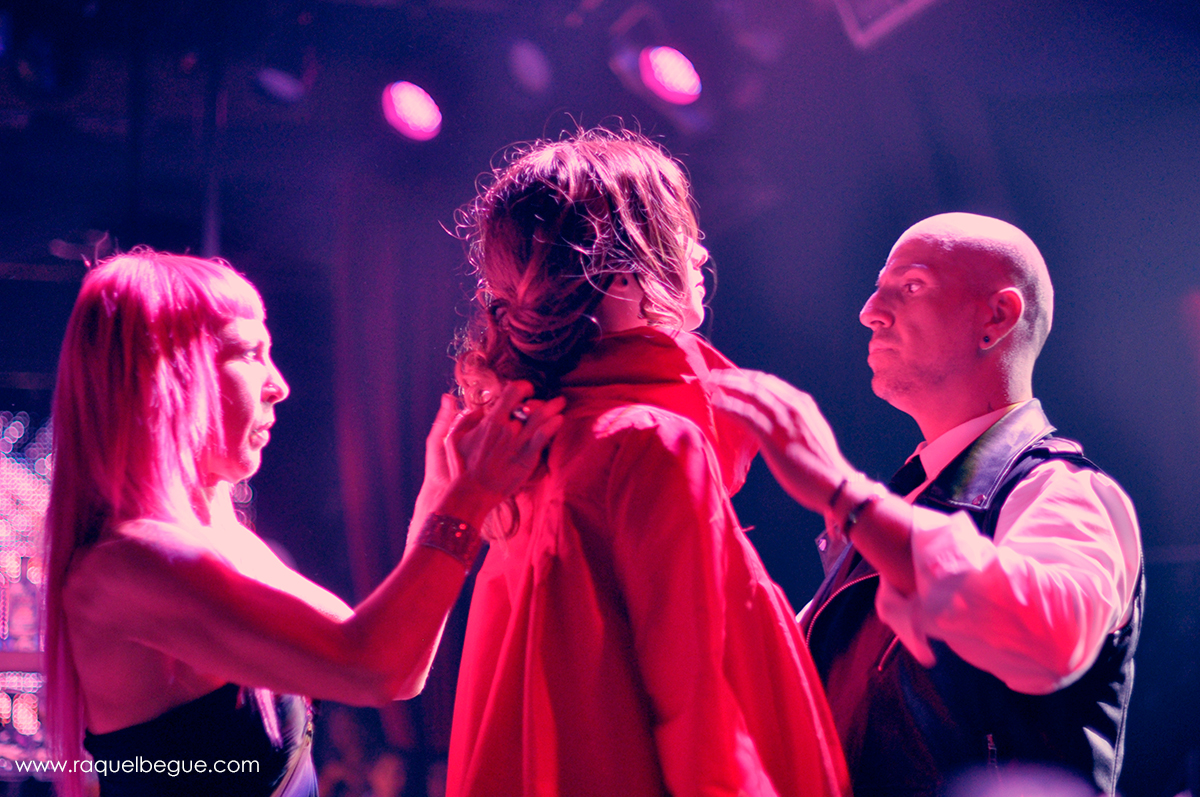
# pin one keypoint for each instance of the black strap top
(215, 744)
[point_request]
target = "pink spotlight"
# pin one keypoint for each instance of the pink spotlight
(410, 109)
(669, 74)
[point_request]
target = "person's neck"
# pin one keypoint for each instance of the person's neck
(938, 414)
(213, 504)
(620, 318)
(621, 307)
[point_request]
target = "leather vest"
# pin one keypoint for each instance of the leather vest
(906, 728)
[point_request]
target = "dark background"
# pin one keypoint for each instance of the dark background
(1077, 121)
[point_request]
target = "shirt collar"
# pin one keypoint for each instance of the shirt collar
(937, 453)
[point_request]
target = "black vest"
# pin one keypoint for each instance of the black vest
(906, 728)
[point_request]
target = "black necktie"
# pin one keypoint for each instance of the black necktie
(908, 478)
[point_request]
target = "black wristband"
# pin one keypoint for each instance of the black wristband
(833, 499)
(855, 514)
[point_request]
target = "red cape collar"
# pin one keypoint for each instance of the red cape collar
(663, 369)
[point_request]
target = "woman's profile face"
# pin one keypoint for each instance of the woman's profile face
(250, 385)
(697, 256)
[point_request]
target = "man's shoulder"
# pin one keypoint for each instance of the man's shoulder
(1053, 454)
(1055, 447)
(1056, 476)
(1052, 469)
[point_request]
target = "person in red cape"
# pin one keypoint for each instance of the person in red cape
(624, 637)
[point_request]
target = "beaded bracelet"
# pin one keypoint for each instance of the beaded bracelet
(453, 536)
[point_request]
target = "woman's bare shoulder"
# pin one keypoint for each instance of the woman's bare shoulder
(142, 544)
(142, 563)
(128, 563)
(152, 532)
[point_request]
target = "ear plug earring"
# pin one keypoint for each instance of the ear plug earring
(986, 339)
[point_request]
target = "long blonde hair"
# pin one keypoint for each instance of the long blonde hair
(136, 404)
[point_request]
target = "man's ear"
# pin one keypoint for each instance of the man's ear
(1004, 312)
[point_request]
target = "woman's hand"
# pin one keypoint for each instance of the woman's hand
(475, 459)
(438, 461)
(494, 449)
(437, 466)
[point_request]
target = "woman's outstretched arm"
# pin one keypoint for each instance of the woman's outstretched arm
(156, 585)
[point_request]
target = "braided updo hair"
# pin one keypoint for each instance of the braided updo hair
(549, 233)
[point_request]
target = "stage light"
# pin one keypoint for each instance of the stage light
(25, 714)
(529, 67)
(281, 85)
(669, 75)
(288, 66)
(410, 109)
(288, 77)
(661, 75)
(24, 497)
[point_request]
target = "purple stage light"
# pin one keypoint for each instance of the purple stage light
(281, 85)
(410, 109)
(529, 67)
(669, 75)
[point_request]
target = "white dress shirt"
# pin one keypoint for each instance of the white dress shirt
(1033, 605)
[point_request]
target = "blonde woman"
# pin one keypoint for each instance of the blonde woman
(175, 636)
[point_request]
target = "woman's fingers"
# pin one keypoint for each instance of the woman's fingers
(436, 440)
(464, 423)
(497, 447)
(459, 450)
(440, 464)
(447, 409)
(538, 413)
(503, 446)
(510, 399)
(543, 422)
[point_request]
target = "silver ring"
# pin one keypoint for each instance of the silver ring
(520, 413)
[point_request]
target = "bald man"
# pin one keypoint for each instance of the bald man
(984, 607)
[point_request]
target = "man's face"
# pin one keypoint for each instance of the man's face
(924, 317)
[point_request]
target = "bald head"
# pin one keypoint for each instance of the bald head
(958, 317)
(994, 255)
